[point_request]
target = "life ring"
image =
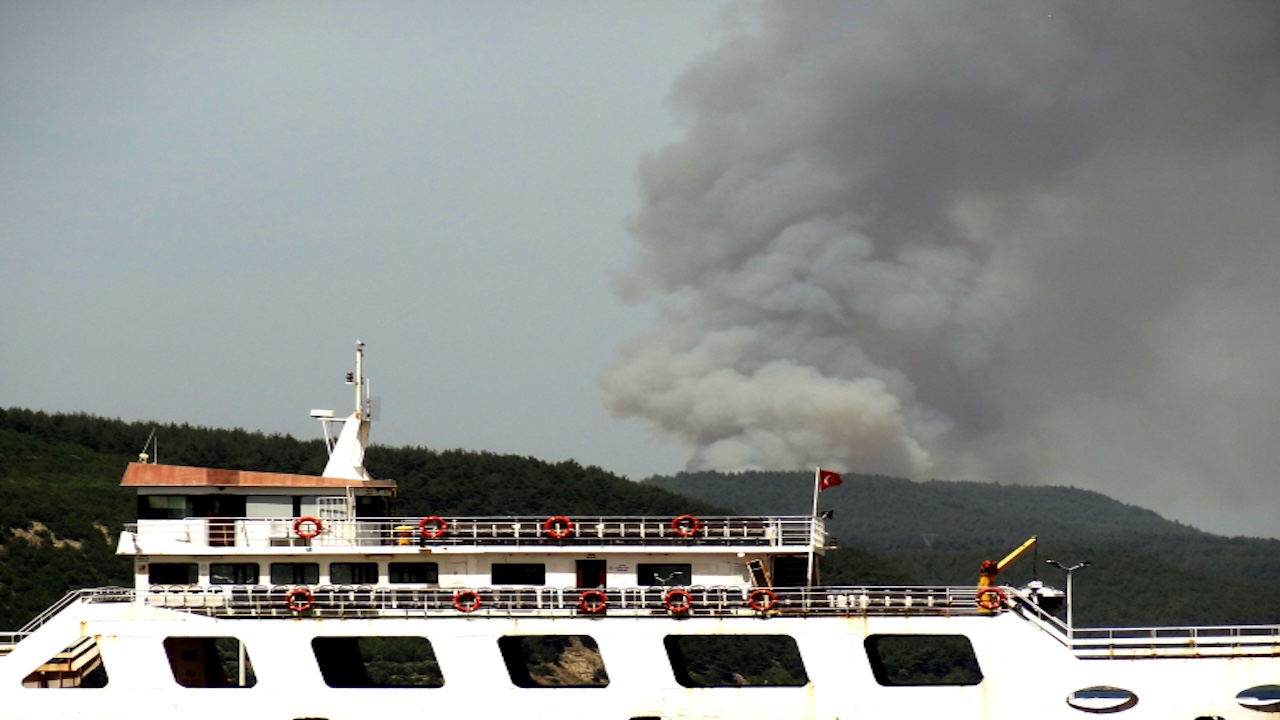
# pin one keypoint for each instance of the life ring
(466, 601)
(762, 600)
(558, 527)
(686, 526)
(432, 527)
(316, 527)
(678, 602)
(593, 601)
(984, 598)
(299, 599)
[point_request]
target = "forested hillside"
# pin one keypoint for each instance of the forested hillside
(1144, 569)
(61, 510)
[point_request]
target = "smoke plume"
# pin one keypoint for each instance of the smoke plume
(1028, 242)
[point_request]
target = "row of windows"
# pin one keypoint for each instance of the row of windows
(697, 661)
(366, 573)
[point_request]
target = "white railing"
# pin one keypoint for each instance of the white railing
(520, 532)
(374, 601)
(1139, 642)
(107, 594)
(1208, 641)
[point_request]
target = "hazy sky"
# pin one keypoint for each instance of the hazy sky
(1023, 241)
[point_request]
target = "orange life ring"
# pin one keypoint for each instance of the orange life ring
(678, 602)
(432, 527)
(299, 599)
(466, 601)
(986, 603)
(593, 601)
(762, 599)
(686, 526)
(316, 525)
(558, 527)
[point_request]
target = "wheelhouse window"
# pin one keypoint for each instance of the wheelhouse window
(365, 573)
(295, 573)
(518, 574)
(163, 507)
(233, 573)
(172, 574)
(413, 573)
(649, 574)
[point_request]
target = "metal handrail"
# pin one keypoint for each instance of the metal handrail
(1171, 641)
(506, 531)
(106, 594)
(381, 601)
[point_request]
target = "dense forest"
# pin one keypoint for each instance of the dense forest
(61, 510)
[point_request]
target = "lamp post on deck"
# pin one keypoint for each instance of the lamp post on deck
(1071, 628)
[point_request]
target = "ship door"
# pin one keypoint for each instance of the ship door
(591, 573)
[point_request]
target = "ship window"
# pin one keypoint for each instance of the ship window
(164, 507)
(519, 574)
(295, 573)
(910, 660)
(209, 662)
(233, 573)
(78, 666)
(664, 574)
(735, 661)
(416, 573)
(353, 573)
(377, 662)
(172, 574)
(536, 661)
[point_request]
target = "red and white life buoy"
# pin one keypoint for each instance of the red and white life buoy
(762, 599)
(678, 602)
(686, 526)
(991, 598)
(466, 601)
(432, 527)
(593, 601)
(299, 599)
(558, 527)
(315, 526)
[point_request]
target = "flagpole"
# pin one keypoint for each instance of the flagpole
(813, 521)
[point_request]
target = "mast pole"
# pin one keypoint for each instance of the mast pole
(359, 379)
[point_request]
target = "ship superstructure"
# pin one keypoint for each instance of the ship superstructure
(285, 596)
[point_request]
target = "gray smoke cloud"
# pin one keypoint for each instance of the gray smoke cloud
(1028, 242)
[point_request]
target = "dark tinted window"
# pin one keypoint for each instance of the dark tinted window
(377, 662)
(735, 660)
(923, 660)
(536, 661)
(519, 574)
(418, 573)
(172, 574)
(295, 573)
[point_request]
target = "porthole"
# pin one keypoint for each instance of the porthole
(1263, 698)
(1102, 699)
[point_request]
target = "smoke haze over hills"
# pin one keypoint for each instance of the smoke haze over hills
(1027, 242)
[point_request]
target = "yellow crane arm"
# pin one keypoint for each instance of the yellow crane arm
(1019, 552)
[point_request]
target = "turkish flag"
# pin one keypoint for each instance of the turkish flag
(828, 479)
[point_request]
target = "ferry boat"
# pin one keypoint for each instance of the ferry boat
(287, 597)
